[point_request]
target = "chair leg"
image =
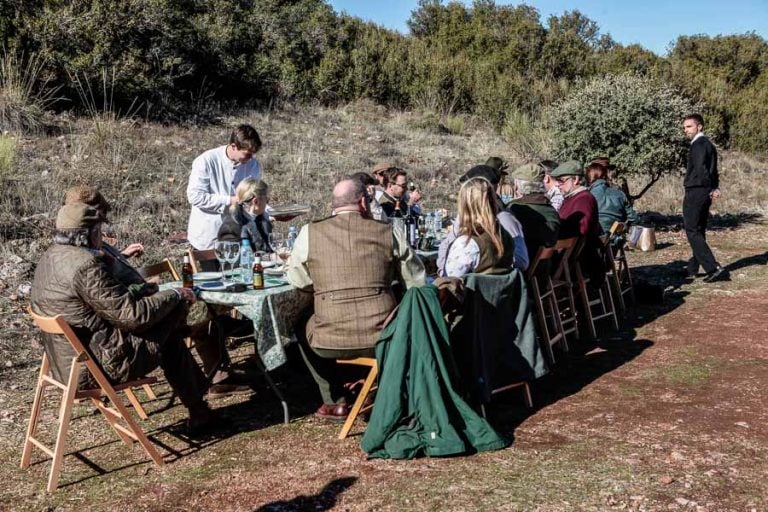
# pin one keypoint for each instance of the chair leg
(359, 402)
(26, 454)
(149, 391)
(609, 303)
(134, 428)
(556, 315)
(527, 393)
(585, 300)
(135, 403)
(275, 390)
(65, 413)
(542, 320)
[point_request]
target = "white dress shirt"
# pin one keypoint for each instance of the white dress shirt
(212, 182)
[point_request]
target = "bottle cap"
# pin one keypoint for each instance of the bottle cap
(257, 259)
(245, 242)
(186, 258)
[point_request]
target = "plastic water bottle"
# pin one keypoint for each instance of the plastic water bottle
(438, 221)
(246, 261)
(292, 234)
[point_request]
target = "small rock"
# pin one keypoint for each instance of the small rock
(8, 364)
(666, 479)
(682, 501)
(742, 424)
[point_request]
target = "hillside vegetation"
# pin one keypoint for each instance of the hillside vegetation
(186, 60)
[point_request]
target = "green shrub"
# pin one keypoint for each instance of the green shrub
(633, 120)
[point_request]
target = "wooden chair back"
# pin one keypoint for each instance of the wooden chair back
(203, 261)
(158, 269)
(116, 414)
(548, 316)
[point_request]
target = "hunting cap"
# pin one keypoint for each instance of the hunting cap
(497, 163)
(569, 168)
(78, 216)
(482, 171)
(89, 195)
(529, 172)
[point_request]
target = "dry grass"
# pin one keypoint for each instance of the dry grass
(606, 436)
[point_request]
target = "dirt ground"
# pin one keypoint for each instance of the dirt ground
(667, 414)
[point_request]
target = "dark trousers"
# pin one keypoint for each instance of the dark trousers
(329, 375)
(695, 216)
(163, 344)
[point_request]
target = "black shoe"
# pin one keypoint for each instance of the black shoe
(720, 274)
(228, 388)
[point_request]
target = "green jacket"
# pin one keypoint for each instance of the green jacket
(540, 221)
(417, 409)
(612, 205)
(495, 340)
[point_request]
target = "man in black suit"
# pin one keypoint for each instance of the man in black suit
(701, 187)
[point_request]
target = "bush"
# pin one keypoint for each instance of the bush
(633, 120)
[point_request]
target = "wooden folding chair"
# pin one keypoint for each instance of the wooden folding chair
(621, 266)
(203, 261)
(603, 301)
(128, 431)
(158, 269)
(368, 388)
(547, 311)
(563, 285)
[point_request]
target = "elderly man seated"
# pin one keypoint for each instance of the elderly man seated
(348, 261)
(540, 221)
(128, 335)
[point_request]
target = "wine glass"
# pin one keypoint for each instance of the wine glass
(284, 251)
(220, 249)
(233, 255)
(275, 239)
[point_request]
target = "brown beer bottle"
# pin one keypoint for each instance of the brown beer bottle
(186, 273)
(258, 274)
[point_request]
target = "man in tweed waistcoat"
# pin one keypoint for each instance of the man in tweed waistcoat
(349, 262)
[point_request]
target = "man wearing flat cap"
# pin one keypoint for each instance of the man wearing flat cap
(507, 221)
(128, 336)
(579, 217)
(540, 221)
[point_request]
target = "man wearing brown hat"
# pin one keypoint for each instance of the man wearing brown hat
(206, 327)
(541, 224)
(128, 336)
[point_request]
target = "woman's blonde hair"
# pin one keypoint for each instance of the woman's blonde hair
(477, 211)
(250, 188)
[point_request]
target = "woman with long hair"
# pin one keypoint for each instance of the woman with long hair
(248, 218)
(482, 245)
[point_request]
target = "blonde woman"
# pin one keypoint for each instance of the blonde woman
(482, 245)
(248, 218)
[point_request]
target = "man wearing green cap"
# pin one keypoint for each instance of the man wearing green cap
(579, 217)
(539, 219)
(128, 335)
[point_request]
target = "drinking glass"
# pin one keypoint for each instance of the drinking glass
(284, 251)
(233, 256)
(275, 239)
(220, 249)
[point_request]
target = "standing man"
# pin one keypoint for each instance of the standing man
(215, 175)
(348, 262)
(701, 187)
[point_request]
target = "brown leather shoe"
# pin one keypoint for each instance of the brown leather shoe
(333, 412)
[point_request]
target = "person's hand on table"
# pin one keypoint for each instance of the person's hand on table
(133, 250)
(186, 294)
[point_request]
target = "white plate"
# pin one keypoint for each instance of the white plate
(274, 271)
(206, 276)
(213, 286)
(268, 264)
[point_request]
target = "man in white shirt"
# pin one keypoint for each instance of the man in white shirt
(215, 175)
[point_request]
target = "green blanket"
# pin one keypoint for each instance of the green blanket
(417, 410)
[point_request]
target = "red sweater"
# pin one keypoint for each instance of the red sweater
(579, 216)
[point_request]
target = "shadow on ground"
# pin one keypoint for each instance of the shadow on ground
(716, 222)
(324, 500)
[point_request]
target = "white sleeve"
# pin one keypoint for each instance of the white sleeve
(199, 193)
(463, 257)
